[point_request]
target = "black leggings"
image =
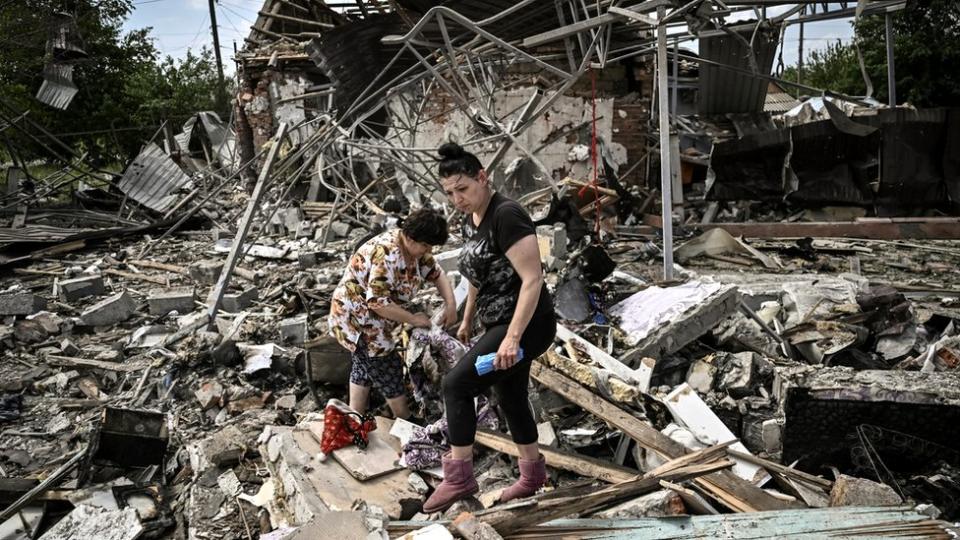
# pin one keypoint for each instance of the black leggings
(462, 384)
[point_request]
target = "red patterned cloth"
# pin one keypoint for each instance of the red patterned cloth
(343, 426)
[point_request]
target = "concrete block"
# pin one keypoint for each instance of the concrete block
(21, 303)
(852, 491)
(68, 348)
(179, 299)
(112, 310)
(71, 290)
(209, 394)
(736, 375)
(206, 272)
(293, 331)
(701, 374)
(546, 436)
(305, 229)
(340, 229)
(235, 302)
(771, 433)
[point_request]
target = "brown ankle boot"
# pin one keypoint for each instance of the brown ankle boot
(458, 483)
(533, 474)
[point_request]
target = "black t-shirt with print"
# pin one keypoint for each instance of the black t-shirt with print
(484, 263)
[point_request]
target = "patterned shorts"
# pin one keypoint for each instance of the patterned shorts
(384, 373)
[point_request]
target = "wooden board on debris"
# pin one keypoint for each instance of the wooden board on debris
(377, 459)
(333, 485)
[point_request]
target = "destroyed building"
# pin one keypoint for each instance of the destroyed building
(758, 295)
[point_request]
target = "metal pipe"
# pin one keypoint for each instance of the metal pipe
(665, 180)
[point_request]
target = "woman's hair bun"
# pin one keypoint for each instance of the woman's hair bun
(451, 150)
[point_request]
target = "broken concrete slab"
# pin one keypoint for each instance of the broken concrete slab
(179, 299)
(224, 448)
(21, 303)
(71, 290)
(112, 310)
(658, 321)
(313, 487)
(852, 491)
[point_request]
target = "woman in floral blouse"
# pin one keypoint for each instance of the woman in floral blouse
(383, 275)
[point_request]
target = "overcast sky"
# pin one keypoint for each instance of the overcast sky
(179, 25)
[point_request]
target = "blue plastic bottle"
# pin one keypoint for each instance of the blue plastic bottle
(484, 363)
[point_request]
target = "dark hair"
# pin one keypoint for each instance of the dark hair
(455, 160)
(426, 226)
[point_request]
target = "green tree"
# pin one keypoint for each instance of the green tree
(926, 47)
(125, 89)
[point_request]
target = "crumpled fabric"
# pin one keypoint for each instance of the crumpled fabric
(430, 354)
(10, 407)
(428, 444)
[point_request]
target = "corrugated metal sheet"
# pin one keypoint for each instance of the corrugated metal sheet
(57, 89)
(778, 101)
(152, 179)
(725, 91)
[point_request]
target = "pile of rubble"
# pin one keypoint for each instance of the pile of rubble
(769, 378)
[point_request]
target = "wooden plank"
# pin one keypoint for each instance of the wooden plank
(568, 461)
(377, 459)
(926, 229)
(236, 249)
(734, 492)
(510, 518)
(71, 361)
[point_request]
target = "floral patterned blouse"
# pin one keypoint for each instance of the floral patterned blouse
(377, 275)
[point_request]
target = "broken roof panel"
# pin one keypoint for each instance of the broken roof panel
(57, 89)
(723, 90)
(153, 178)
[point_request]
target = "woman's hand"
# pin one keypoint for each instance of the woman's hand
(507, 353)
(449, 315)
(465, 332)
(420, 320)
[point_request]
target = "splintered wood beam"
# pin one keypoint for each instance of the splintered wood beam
(542, 508)
(236, 250)
(734, 492)
(568, 461)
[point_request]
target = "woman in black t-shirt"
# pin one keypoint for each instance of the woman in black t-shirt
(507, 296)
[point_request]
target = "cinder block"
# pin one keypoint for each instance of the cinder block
(179, 299)
(21, 303)
(293, 331)
(72, 290)
(112, 310)
(235, 302)
(206, 272)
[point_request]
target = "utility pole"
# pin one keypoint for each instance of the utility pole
(221, 90)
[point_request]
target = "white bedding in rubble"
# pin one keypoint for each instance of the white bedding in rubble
(654, 307)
